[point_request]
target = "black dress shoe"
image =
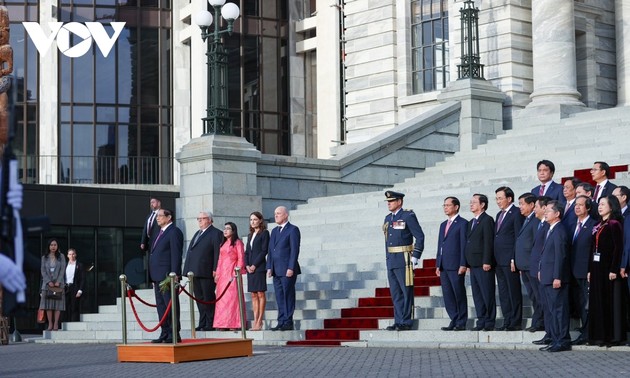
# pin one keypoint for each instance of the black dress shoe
(276, 328)
(449, 328)
(169, 340)
(459, 328)
(159, 339)
(545, 348)
(208, 329)
(559, 348)
(487, 329)
(287, 327)
(392, 327)
(477, 328)
(403, 327)
(513, 329)
(500, 328)
(579, 341)
(200, 328)
(542, 342)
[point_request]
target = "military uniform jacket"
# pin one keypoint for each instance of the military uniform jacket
(400, 230)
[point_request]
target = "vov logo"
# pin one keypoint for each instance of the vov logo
(61, 32)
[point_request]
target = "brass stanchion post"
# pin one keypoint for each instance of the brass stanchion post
(191, 277)
(241, 302)
(123, 306)
(174, 328)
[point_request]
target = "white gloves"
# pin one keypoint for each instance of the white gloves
(11, 277)
(414, 261)
(14, 196)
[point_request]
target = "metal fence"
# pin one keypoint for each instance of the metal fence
(36, 169)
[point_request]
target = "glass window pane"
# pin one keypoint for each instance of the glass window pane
(82, 114)
(106, 114)
(83, 78)
(65, 80)
(126, 47)
(106, 74)
(149, 66)
(270, 75)
(428, 81)
(427, 37)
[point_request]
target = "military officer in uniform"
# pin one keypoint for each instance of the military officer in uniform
(401, 254)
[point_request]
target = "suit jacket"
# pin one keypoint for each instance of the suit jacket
(554, 191)
(256, 252)
(554, 262)
(58, 273)
(569, 219)
(480, 241)
(581, 247)
(625, 258)
(202, 255)
(149, 233)
(606, 189)
(400, 230)
(166, 254)
(505, 236)
(539, 242)
(450, 249)
(79, 276)
(284, 249)
(525, 242)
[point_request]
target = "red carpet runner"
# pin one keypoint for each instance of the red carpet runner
(368, 313)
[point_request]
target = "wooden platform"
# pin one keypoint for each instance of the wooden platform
(187, 350)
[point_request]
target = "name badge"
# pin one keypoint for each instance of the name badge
(596, 256)
(399, 225)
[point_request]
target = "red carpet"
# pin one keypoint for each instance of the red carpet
(367, 314)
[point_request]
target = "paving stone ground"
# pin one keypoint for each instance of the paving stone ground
(99, 360)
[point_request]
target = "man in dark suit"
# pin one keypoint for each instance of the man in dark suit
(401, 255)
(568, 190)
(540, 314)
(201, 259)
(151, 228)
(451, 265)
(524, 244)
(166, 257)
(508, 223)
(283, 266)
(545, 170)
(480, 258)
(554, 276)
(600, 173)
(586, 189)
(581, 243)
(623, 194)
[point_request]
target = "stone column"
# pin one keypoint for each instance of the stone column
(553, 37)
(622, 28)
(218, 173)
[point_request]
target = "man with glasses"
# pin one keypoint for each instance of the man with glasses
(201, 259)
(600, 174)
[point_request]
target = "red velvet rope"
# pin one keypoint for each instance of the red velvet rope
(132, 293)
(209, 302)
(168, 310)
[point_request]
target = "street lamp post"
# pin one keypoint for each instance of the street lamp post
(217, 119)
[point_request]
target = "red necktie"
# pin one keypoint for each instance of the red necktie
(158, 238)
(541, 191)
(500, 219)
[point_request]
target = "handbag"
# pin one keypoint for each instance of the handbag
(54, 292)
(41, 316)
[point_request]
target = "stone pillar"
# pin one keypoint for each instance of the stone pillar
(481, 113)
(218, 173)
(553, 36)
(622, 28)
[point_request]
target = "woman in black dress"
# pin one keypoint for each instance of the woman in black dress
(255, 263)
(607, 289)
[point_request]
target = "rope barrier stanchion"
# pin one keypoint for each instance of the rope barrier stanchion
(123, 306)
(241, 304)
(193, 332)
(174, 294)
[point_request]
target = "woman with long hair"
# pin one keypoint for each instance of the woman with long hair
(53, 269)
(232, 254)
(255, 264)
(607, 289)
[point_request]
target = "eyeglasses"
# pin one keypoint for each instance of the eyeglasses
(202, 218)
(227, 229)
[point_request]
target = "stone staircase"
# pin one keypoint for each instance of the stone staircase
(342, 254)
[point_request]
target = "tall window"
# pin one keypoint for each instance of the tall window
(258, 93)
(115, 121)
(429, 45)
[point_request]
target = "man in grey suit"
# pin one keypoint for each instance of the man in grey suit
(201, 259)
